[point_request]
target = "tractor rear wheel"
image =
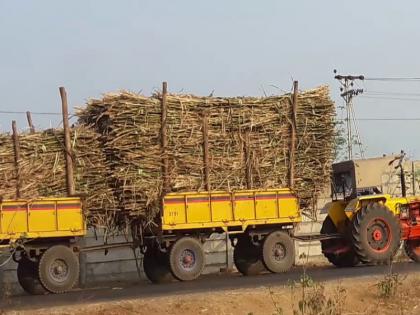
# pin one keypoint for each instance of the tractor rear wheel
(278, 252)
(412, 249)
(27, 274)
(248, 257)
(376, 234)
(345, 259)
(156, 266)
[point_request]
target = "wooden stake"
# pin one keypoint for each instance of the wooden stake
(414, 181)
(164, 138)
(31, 125)
(293, 137)
(67, 143)
(248, 164)
(206, 151)
(16, 148)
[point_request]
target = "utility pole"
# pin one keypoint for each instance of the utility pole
(347, 93)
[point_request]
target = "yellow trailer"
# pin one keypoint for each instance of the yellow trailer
(259, 223)
(42, 235)
(41, 218)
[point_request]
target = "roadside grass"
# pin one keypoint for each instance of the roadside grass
(309, 297)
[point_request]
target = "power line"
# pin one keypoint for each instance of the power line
(379, 97)
(392, 79)
(383, 119)
(390, 93)
(34, 113)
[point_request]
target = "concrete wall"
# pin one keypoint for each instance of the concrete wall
(120, 265)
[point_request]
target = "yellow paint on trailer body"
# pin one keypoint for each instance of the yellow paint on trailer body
(222, 209)
(44, 217)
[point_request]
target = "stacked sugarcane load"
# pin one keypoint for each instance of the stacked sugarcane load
(118, 157)
(128, 126)
(40, 170)
(254, 134)
(249, 142)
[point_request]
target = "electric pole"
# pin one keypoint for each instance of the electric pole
(347, 93)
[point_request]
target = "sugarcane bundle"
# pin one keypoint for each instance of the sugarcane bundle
(129, 126)
(40, 171)
(8, 178)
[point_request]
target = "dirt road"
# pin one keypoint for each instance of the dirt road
(209, 293)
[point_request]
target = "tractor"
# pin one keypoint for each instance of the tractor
(370, 221)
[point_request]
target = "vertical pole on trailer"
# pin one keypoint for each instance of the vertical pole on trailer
(248, 165)
(67, 143)
(16, 148)
(293, 136)
(31, 125)
(163, 147)
(206, 151)
(164, 138)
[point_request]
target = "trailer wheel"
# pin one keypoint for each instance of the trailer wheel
(186, 259)
(412, 249)
(376, 234)
(346, 259)
(156, 266)
(58, 269)
(27, 274)
(278, 252)
(248, 257)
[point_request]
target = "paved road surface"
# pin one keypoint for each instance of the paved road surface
(206, 283)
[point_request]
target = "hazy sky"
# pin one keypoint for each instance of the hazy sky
(232, 47)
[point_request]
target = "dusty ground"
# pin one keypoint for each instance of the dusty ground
(348, 296)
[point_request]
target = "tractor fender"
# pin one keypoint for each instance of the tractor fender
(335, 210)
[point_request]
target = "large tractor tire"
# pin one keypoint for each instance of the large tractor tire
(346, 259)
(27, 274)
(186, 259)
(412, 249)
(376, 234)
(248, 257)
(156, 266)
(58, 269)
(278, 252)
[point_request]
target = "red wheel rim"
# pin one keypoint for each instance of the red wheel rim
(379, 235)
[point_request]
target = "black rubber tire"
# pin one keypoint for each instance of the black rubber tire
(52, 260)
(27, 274)
(248, 257)
(348, 259)
(366, 247)
(412, 249)
(278, 252)
(156, 266)
(192, 249)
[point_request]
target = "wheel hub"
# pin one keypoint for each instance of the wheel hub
(187, 259)
(279, 252)
(59, 270)
(379, 235)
